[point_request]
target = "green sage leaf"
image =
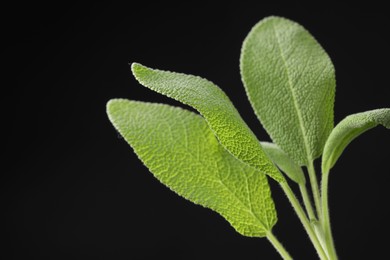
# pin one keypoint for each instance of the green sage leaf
(285, 163)
(348, 129)
(290, 82)
(183, 153)
(213, 104)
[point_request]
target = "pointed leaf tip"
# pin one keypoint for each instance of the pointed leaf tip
(136, 67)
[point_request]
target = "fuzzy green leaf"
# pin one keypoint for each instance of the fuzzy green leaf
(348, 129)
(213, 104)
(290, 82)
(182, 152)
(281, 159)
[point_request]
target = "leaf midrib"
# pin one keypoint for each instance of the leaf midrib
(296, 106)
(249, 210)
(219, 180)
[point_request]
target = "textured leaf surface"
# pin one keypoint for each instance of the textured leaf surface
(216, 108)
(348, 129)
(290, 82)
(182, 152)
(285, 163)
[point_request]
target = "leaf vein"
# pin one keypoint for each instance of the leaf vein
(297, 109)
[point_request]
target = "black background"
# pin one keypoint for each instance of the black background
(72, 188)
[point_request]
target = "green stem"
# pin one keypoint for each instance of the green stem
(317, 226)
(314, 188)
(307, 202)
(278, 246)
(305, 222)
(325, 216)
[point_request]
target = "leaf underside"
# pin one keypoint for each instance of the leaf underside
(284, 163)
(213, 104)
(290, 82)
(348, 129)
(183, 153)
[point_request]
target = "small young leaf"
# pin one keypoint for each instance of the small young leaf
(182, 152)
(290, 82)
(348, 129)
(213, 104)
(281, 159)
